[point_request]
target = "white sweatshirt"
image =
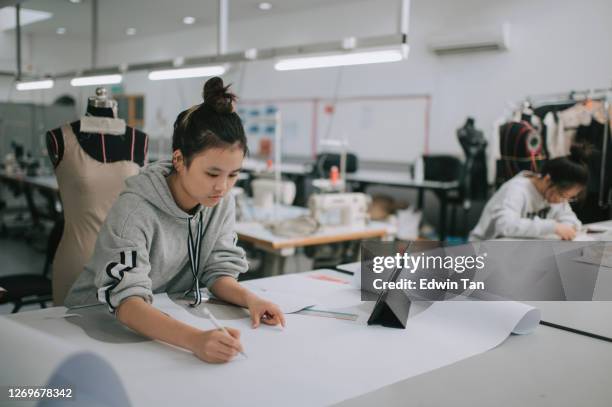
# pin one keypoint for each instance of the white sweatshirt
(518, 209)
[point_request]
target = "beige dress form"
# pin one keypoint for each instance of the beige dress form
(88, 189)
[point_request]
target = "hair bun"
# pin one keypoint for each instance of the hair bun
(217, 97)
(579, 153)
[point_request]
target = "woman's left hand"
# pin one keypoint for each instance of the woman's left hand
(264, 311)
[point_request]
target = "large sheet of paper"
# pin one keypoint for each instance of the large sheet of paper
(313, 361)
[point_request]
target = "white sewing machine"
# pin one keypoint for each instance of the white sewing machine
(345, 209)
(264, 190)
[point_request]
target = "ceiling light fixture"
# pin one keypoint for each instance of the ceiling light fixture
(130, 31)
(189, 20)
(96, 80)
(60, 30)
(187, 73)
(8, 19)
(35, 85)
(335, 60)
(264, 6)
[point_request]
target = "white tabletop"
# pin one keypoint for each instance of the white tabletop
(397, 178)
(258, 165)
(546, 368)
(258, 233)
(40, 181)
(551, 367)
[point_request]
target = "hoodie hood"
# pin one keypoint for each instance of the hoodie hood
(151, 184)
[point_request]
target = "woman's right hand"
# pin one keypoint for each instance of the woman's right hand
(214, 346)
(565, 231)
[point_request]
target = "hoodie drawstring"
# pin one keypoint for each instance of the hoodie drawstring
(194, 258)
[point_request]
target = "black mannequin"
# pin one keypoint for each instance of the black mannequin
(104, 149)
(473, 143)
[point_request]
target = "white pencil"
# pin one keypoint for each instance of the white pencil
(219, 326)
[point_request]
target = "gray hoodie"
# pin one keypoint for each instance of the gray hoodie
(518, 209)
(142, 247)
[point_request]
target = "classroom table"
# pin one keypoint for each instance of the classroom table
(45, 184)
(548, 367)
(258, 234)
(364, 178)
(278, 248)
(588, 317)
(261, 166)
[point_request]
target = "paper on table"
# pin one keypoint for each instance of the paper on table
(325, 294)
(287, 302)
(163, 303)
(314, 361)
(331, 361)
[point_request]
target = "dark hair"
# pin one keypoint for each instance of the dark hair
(211, 124)
(569, 171)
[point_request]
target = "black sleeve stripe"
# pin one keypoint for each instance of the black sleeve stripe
(116, 271)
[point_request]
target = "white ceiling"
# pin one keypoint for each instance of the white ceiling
(149, 17)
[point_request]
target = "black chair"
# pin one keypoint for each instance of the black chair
(26, 289)
(448, 168)
(325, 161)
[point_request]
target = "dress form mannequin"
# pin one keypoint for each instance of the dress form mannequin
(92, 157)
(474, 143)
(100, 119)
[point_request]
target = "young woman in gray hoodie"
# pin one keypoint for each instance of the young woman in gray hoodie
(534, 205)
(172, 230)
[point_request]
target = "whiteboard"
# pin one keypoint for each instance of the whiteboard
(378, 128)
(389, 130)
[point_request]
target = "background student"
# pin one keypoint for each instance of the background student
(535, 205)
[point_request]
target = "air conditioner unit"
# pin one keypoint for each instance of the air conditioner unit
(472, 40)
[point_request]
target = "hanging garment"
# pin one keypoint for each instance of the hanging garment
(591, 138)
(581, 114)
(88, 188)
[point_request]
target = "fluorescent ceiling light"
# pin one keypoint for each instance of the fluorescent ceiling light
(27, 16)
(130, 31)
(264, 6)
(96, 80)
(327, 61)
(189, 20)
(60, 30)
(34, 85)
(187, 73)
(75, 1)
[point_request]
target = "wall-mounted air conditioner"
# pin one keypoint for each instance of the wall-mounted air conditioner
(471, 40)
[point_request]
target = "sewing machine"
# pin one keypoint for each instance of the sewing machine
(343, 209)
(264, 190)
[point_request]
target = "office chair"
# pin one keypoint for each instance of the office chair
(448, 168)
(26, 289)
(325, 161)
